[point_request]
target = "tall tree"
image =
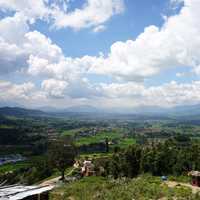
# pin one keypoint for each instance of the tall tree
(107, 145)
(62, 154)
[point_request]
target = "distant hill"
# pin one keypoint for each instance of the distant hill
(177, 110)
(20, 112)
(146, 112)
(187, 109)
(72, 109)
(82, 109)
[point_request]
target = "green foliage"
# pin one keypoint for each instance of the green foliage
(5, 126)
(115, 136)
(142, 188)
(13, 166)
(167, 158)
(182, 178)
(72, 132)
(125, 142)
(61, 154)
(39, 170)
(26, 172)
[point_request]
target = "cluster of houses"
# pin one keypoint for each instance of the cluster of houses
(91, 131)
(52, 134)
(87, 132)
(86, 167)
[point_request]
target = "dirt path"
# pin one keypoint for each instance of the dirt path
(55, 181)
(52, 181)
(174, 184)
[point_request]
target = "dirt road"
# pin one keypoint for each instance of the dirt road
(174, 184)
(53, 181)
(56, 180)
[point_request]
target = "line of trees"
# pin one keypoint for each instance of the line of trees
(169, 158)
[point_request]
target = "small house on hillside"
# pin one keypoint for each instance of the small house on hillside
(195, 178)
(88, 168)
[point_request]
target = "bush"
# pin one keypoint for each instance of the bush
(144, 187)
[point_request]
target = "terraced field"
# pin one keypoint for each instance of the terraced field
(115, 137)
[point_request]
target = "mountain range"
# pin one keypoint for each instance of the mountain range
(178, 111)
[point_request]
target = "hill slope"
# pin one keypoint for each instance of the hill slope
(20, 112)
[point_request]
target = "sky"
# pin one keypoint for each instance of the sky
(109, 54)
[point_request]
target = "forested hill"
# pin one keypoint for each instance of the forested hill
(20, 112)
(176, 113)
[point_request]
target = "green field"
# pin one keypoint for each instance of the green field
(115, 135)
(100, 137)
(13, 166)
(21, 164)
(5, 126)
(72, 132)
(126, 142)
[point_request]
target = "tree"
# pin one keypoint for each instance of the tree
(107, 145)
(115, 166)
(132, 158)
(39, 169)
(62, 154)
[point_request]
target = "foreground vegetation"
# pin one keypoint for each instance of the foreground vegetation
(145, 187)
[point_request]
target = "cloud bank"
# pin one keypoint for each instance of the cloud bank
(128, 64)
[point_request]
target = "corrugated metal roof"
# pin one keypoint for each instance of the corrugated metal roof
(17, 192)
(194, 173)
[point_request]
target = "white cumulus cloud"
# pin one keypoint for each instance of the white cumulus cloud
(54, 88)
(93, 13)
(175, 44)
(10, 91)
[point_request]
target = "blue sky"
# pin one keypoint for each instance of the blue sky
(127, 25)
(112, 54)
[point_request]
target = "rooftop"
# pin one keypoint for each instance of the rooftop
(194, 173)
(17, 192)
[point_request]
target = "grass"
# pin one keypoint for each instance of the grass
(115, 135)
(5, 126)
(143, 188)
(100, 137)
(13, 166)
(18, 165)
(95, 155)
(126, 142)
(183, 179)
